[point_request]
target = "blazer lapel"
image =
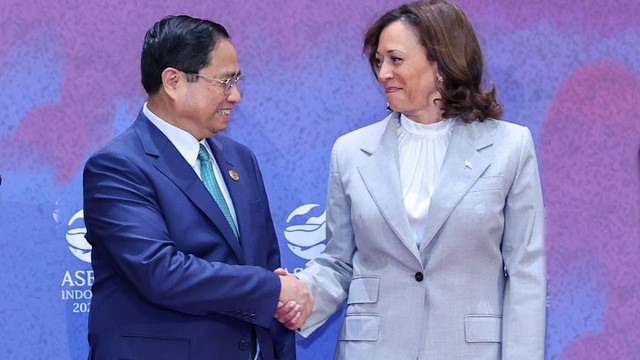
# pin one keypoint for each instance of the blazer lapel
(462, 167)
(381, 177)
(170, 163)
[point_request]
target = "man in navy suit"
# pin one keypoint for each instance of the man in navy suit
(184, 246)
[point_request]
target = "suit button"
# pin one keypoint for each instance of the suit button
(243, 345)
(419, 276)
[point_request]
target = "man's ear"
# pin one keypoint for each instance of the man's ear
(172, 80)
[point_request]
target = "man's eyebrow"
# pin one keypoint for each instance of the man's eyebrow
(231, 74)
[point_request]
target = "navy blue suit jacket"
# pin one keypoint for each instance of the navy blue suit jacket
(171, 279)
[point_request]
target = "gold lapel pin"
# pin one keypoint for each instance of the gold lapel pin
(234, 175)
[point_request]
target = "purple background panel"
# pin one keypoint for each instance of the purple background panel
(590, 155)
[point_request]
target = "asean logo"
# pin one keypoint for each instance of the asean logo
(306, 239)
(78, 245)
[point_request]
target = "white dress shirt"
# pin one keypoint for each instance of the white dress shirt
(421, 149)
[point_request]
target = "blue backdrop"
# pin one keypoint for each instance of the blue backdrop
(69, 74)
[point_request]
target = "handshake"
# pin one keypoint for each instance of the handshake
(295, 303)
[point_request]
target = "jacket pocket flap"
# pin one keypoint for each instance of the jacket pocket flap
(483, 328)
(488, 183)
(363, 327)
(364, 290)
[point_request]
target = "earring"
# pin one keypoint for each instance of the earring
(440, 79)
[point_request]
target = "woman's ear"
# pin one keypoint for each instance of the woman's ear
(436, 73)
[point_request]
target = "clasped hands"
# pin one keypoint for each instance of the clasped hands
(295, 303)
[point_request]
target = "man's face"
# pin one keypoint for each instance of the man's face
(204, 106)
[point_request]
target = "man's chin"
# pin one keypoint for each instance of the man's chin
(219, 127)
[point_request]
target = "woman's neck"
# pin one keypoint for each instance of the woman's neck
(426, 116)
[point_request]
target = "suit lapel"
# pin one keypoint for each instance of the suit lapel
(237, 192)
(381, 177)
(462, 167)
(171, 163)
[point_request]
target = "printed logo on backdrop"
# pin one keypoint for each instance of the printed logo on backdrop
(76, 283)
(306, 233)
(78, 245)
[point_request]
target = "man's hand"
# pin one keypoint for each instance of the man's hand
(295, 303)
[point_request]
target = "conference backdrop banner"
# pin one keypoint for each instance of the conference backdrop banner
(69, 79)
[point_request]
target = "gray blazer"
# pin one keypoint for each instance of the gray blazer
(476, 289)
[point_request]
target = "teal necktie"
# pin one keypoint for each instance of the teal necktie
(209, 180)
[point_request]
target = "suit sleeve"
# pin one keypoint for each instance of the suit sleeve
(284, 340)
(328, 277)
(524, 308)
(128, 232)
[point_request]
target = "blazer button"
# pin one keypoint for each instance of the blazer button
(419, 276)
(243, 345)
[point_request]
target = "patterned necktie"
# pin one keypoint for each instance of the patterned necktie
(209, 180)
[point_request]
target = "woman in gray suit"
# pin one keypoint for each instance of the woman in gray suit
(434, 214)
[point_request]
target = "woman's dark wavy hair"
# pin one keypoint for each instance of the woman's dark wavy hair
(449, 39)
(181, 42)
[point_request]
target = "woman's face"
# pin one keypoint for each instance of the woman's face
(408, 78)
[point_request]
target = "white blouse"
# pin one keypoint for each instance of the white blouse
(421, 148)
